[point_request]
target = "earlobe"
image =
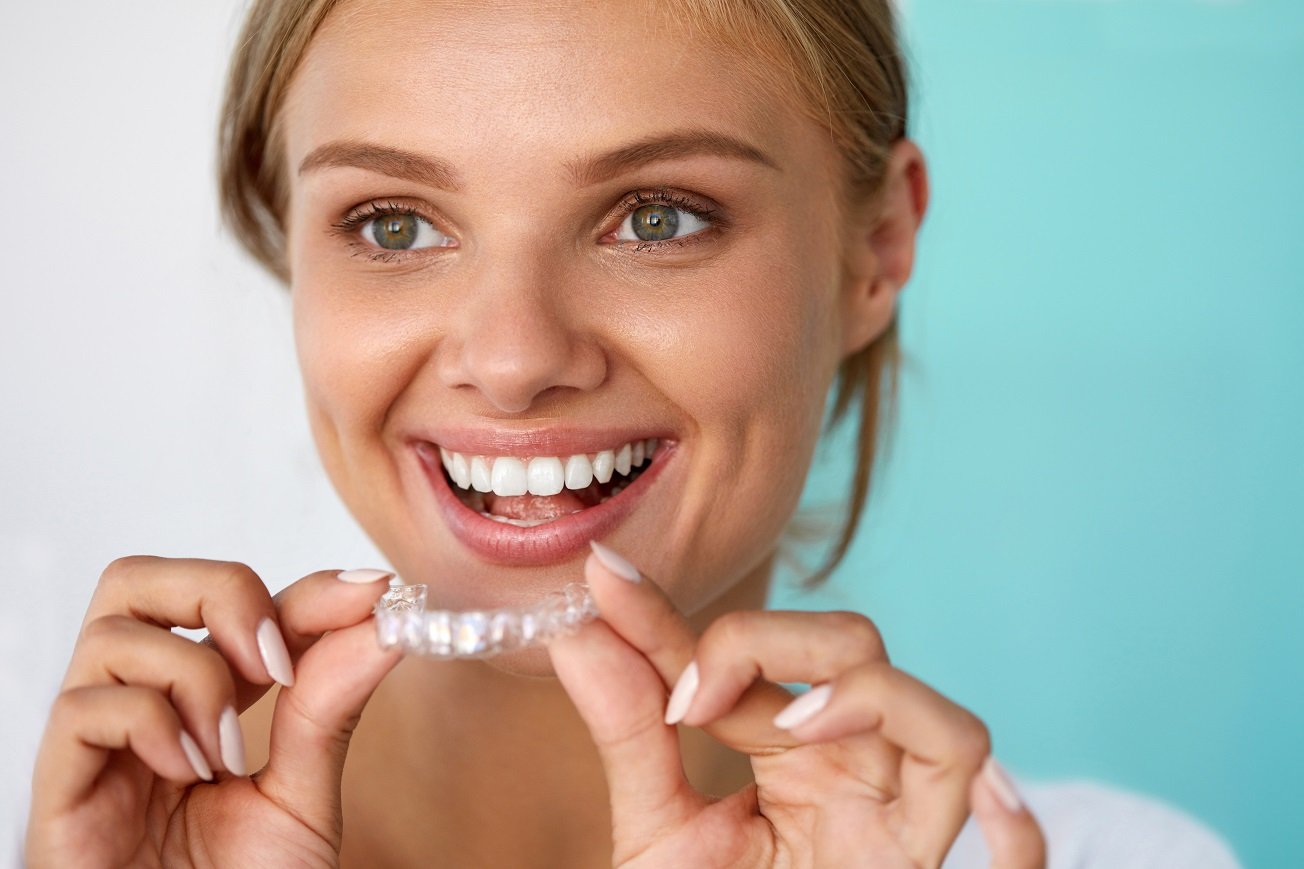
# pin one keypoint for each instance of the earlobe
(870, 309)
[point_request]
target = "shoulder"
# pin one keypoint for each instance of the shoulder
(1089, 825)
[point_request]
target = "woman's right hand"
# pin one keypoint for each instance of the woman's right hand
(115, 782)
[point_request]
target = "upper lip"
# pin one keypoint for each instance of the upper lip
(526, 443)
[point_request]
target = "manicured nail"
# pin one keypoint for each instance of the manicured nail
(276, 658)
(363, 574)
(999, 782)
(232, 742)
(803, 709)
(613, 562)
(681, 697)
(196, 757)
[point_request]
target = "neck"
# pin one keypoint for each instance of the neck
(473, 766)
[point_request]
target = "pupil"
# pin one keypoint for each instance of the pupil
(395, 232)
(655, 222)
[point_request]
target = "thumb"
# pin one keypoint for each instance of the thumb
(1013, 836)
(333, 680)
(622, 700)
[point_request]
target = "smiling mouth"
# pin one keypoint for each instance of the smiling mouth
(531, 491)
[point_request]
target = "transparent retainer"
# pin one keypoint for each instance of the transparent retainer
(402, 620)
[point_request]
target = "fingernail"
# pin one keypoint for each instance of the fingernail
(615, 563)
(196, 757)
(363, 574)
(682, 695)
(803, 709)
(231, 741)
(276, 658)
(1001, 784)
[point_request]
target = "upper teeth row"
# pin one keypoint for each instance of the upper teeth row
(543, 475)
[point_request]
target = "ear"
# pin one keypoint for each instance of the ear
(880, 247)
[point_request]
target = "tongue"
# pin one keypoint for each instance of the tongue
(533, 506)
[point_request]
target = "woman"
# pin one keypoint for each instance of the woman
(533, 232)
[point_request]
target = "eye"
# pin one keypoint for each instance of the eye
(658, 221)
(402, 231)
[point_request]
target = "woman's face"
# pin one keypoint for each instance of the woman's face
(525, 230)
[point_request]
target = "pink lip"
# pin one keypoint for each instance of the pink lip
(543, 544)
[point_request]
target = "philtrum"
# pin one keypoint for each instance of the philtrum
(403, 620)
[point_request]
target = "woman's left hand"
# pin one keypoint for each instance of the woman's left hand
(881, 770)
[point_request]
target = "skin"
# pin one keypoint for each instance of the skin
(538, 313)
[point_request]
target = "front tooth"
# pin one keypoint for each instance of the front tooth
(579, 472)
(622, 460)
(636, 454)
(481, 478)
(603, 464)
(460, 471)
(545, 476)
(509, 476)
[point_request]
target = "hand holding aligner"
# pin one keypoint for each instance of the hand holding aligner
(403, 620)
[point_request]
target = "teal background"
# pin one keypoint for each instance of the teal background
(1090, 526)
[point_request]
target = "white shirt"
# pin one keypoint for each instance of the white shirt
(1091, 826)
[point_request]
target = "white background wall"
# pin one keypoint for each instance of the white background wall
(151, 398)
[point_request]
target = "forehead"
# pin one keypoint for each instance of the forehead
(506, 84)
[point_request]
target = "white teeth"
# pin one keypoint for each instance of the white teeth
(544, 476)
(604, 463)
(460, 471)
(481, 478)
(579, 472)
(509, 476)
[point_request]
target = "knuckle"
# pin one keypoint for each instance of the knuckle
(973, 741)
(236, 578)
(122, 569)
(860, 631)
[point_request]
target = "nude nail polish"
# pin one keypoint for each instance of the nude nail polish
(231, 741)
(196, 757)
(615, 563)
(681, 697)
(804, 708)
(363, 575)
(1000, 783)
(276, 658)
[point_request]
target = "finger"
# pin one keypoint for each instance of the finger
(621, 699)
(87, 724)
(781, 646)
(315, 718)
(1013, 835)
(226, 597)
(943, 743)
(194, 678)
(639, 611)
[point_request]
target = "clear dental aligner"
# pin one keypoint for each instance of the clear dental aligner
(403, 620)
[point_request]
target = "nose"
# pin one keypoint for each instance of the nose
(520, 332)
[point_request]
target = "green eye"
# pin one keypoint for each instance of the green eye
(395, 231)
(655, 222)
(402, 231)
(658, 221)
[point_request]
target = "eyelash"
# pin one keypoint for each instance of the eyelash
(358, 216)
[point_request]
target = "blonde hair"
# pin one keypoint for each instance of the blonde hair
(845, 66)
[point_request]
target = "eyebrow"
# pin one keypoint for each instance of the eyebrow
(584, 171)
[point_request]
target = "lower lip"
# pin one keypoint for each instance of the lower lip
(542, 544)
